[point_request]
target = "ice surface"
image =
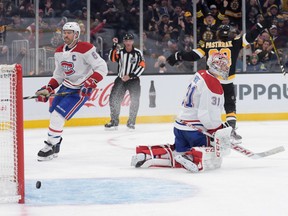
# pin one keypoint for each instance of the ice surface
(92, 176)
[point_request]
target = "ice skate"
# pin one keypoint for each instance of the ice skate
(49, 151)
(131, 127)
(112, 125)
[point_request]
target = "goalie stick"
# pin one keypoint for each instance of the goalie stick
(239, 148)
(56, 94)
(272, 42)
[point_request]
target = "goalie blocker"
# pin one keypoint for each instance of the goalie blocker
(196, 160)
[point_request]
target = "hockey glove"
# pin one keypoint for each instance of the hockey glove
(174, 58)
(44, 93)
(89, 85)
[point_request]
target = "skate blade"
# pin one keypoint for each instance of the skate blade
(40, 159)
(111, 128)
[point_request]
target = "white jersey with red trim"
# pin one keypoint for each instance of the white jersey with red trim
(203, 103)
(74, 66)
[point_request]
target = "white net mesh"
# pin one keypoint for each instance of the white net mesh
(8, 135)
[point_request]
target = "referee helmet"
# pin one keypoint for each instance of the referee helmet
(128, 36)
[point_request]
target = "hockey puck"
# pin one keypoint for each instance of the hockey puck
(38, 184)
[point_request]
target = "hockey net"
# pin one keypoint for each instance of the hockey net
(11, 135)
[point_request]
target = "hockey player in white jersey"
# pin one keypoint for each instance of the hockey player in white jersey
(201, 109)
(78, 69)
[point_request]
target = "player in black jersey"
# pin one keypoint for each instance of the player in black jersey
(230, 47)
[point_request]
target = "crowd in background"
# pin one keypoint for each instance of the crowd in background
(167, 24)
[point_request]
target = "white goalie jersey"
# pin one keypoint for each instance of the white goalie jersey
(203, 103)
(74, 66)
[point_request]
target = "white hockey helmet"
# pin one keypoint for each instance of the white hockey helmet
(73, 26)
(218, 64)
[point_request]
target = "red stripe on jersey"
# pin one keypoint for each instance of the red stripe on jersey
(60, 48)
(82, 47)
(212, 82)
(74, 108)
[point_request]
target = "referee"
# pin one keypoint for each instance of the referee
(131, 65)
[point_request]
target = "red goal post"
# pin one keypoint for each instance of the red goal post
(12, 188)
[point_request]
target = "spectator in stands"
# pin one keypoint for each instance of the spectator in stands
(186, 5)
(233, 11)
(255, 65)
(96, 27)
(165, 27)
(56, 40)
(252, 9)
(176, 16)
(218, 13)
(15, 30)
(282, 26)
(187, 25)
(160, 64)
(226, 20)
(111, 13)
(43, 28)
(260, 39)
(280, 41)
(265, 53)
(268, 3)
(186, 43)
(83, 35)
(165, 8)
(208, 29)
(48, 9)
(272, 13)
(131, 15)
(26, 9)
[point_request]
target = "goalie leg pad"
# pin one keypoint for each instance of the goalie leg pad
(204, 158)
(222, 142)
(153, 156)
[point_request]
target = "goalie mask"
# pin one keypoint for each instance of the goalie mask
(72, 26)
(218, 64)
(223, 32)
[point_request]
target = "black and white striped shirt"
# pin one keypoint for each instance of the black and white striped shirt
(129, 63)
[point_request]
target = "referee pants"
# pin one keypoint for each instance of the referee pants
(117, 94)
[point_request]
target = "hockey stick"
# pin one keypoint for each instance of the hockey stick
(56, 94)
(239, 148)
(272, 41)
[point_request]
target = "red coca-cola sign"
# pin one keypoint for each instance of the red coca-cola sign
(100, 97)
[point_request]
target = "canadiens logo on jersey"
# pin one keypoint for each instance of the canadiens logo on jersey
(68, 68)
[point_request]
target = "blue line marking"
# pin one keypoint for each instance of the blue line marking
(106, 191)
